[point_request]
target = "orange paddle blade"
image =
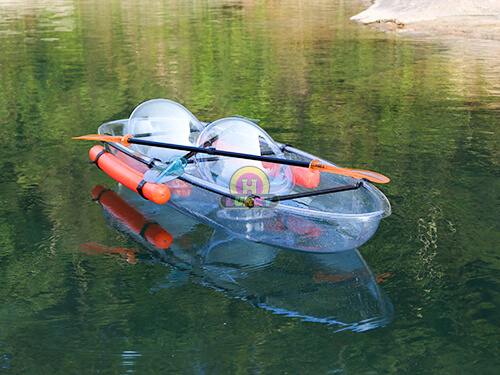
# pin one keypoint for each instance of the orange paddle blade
(107, 138)
(316, 165)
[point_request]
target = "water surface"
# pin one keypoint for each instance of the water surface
(423, 111)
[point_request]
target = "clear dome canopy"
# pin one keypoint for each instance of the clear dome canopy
(242, 136)
(163, 120)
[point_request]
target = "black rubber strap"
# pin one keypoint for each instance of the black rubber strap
(97, 158)
(139, 189)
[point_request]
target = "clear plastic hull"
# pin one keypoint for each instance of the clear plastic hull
(323, 223)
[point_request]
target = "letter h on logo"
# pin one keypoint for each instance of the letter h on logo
(249, 188)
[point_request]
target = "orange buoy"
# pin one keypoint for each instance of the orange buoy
(131, 218)
(305, 177)
(301, 176)
(128, 176)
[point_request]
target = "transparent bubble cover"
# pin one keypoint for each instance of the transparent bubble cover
(242, 136)
(163, 120)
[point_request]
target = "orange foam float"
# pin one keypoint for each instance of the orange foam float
(128, 176)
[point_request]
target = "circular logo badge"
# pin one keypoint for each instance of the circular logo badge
(250, 189)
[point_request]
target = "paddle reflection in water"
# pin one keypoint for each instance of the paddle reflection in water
(335, 288)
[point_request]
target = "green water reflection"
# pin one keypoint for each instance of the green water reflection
(423, 112)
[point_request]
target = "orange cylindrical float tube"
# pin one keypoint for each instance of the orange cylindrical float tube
(128, 176)
(301, 176)
(305, 177)
(131, 162)
(132, 218)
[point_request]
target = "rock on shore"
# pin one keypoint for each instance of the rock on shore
(405, 11)
(469, 18)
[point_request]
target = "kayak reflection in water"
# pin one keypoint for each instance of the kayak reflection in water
(335, 288)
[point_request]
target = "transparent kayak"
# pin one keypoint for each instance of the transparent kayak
(333, 213)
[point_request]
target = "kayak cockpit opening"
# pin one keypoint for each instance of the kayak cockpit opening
(242, 175)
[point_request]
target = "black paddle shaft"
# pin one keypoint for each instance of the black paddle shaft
(213, 151)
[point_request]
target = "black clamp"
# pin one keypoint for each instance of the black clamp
(250, 201)
(283, 146)
(139, 189)
(97, 158)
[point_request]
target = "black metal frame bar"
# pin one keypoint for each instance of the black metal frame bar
(318, 192)
(250, 198)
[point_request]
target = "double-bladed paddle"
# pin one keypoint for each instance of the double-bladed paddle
(314, 165)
